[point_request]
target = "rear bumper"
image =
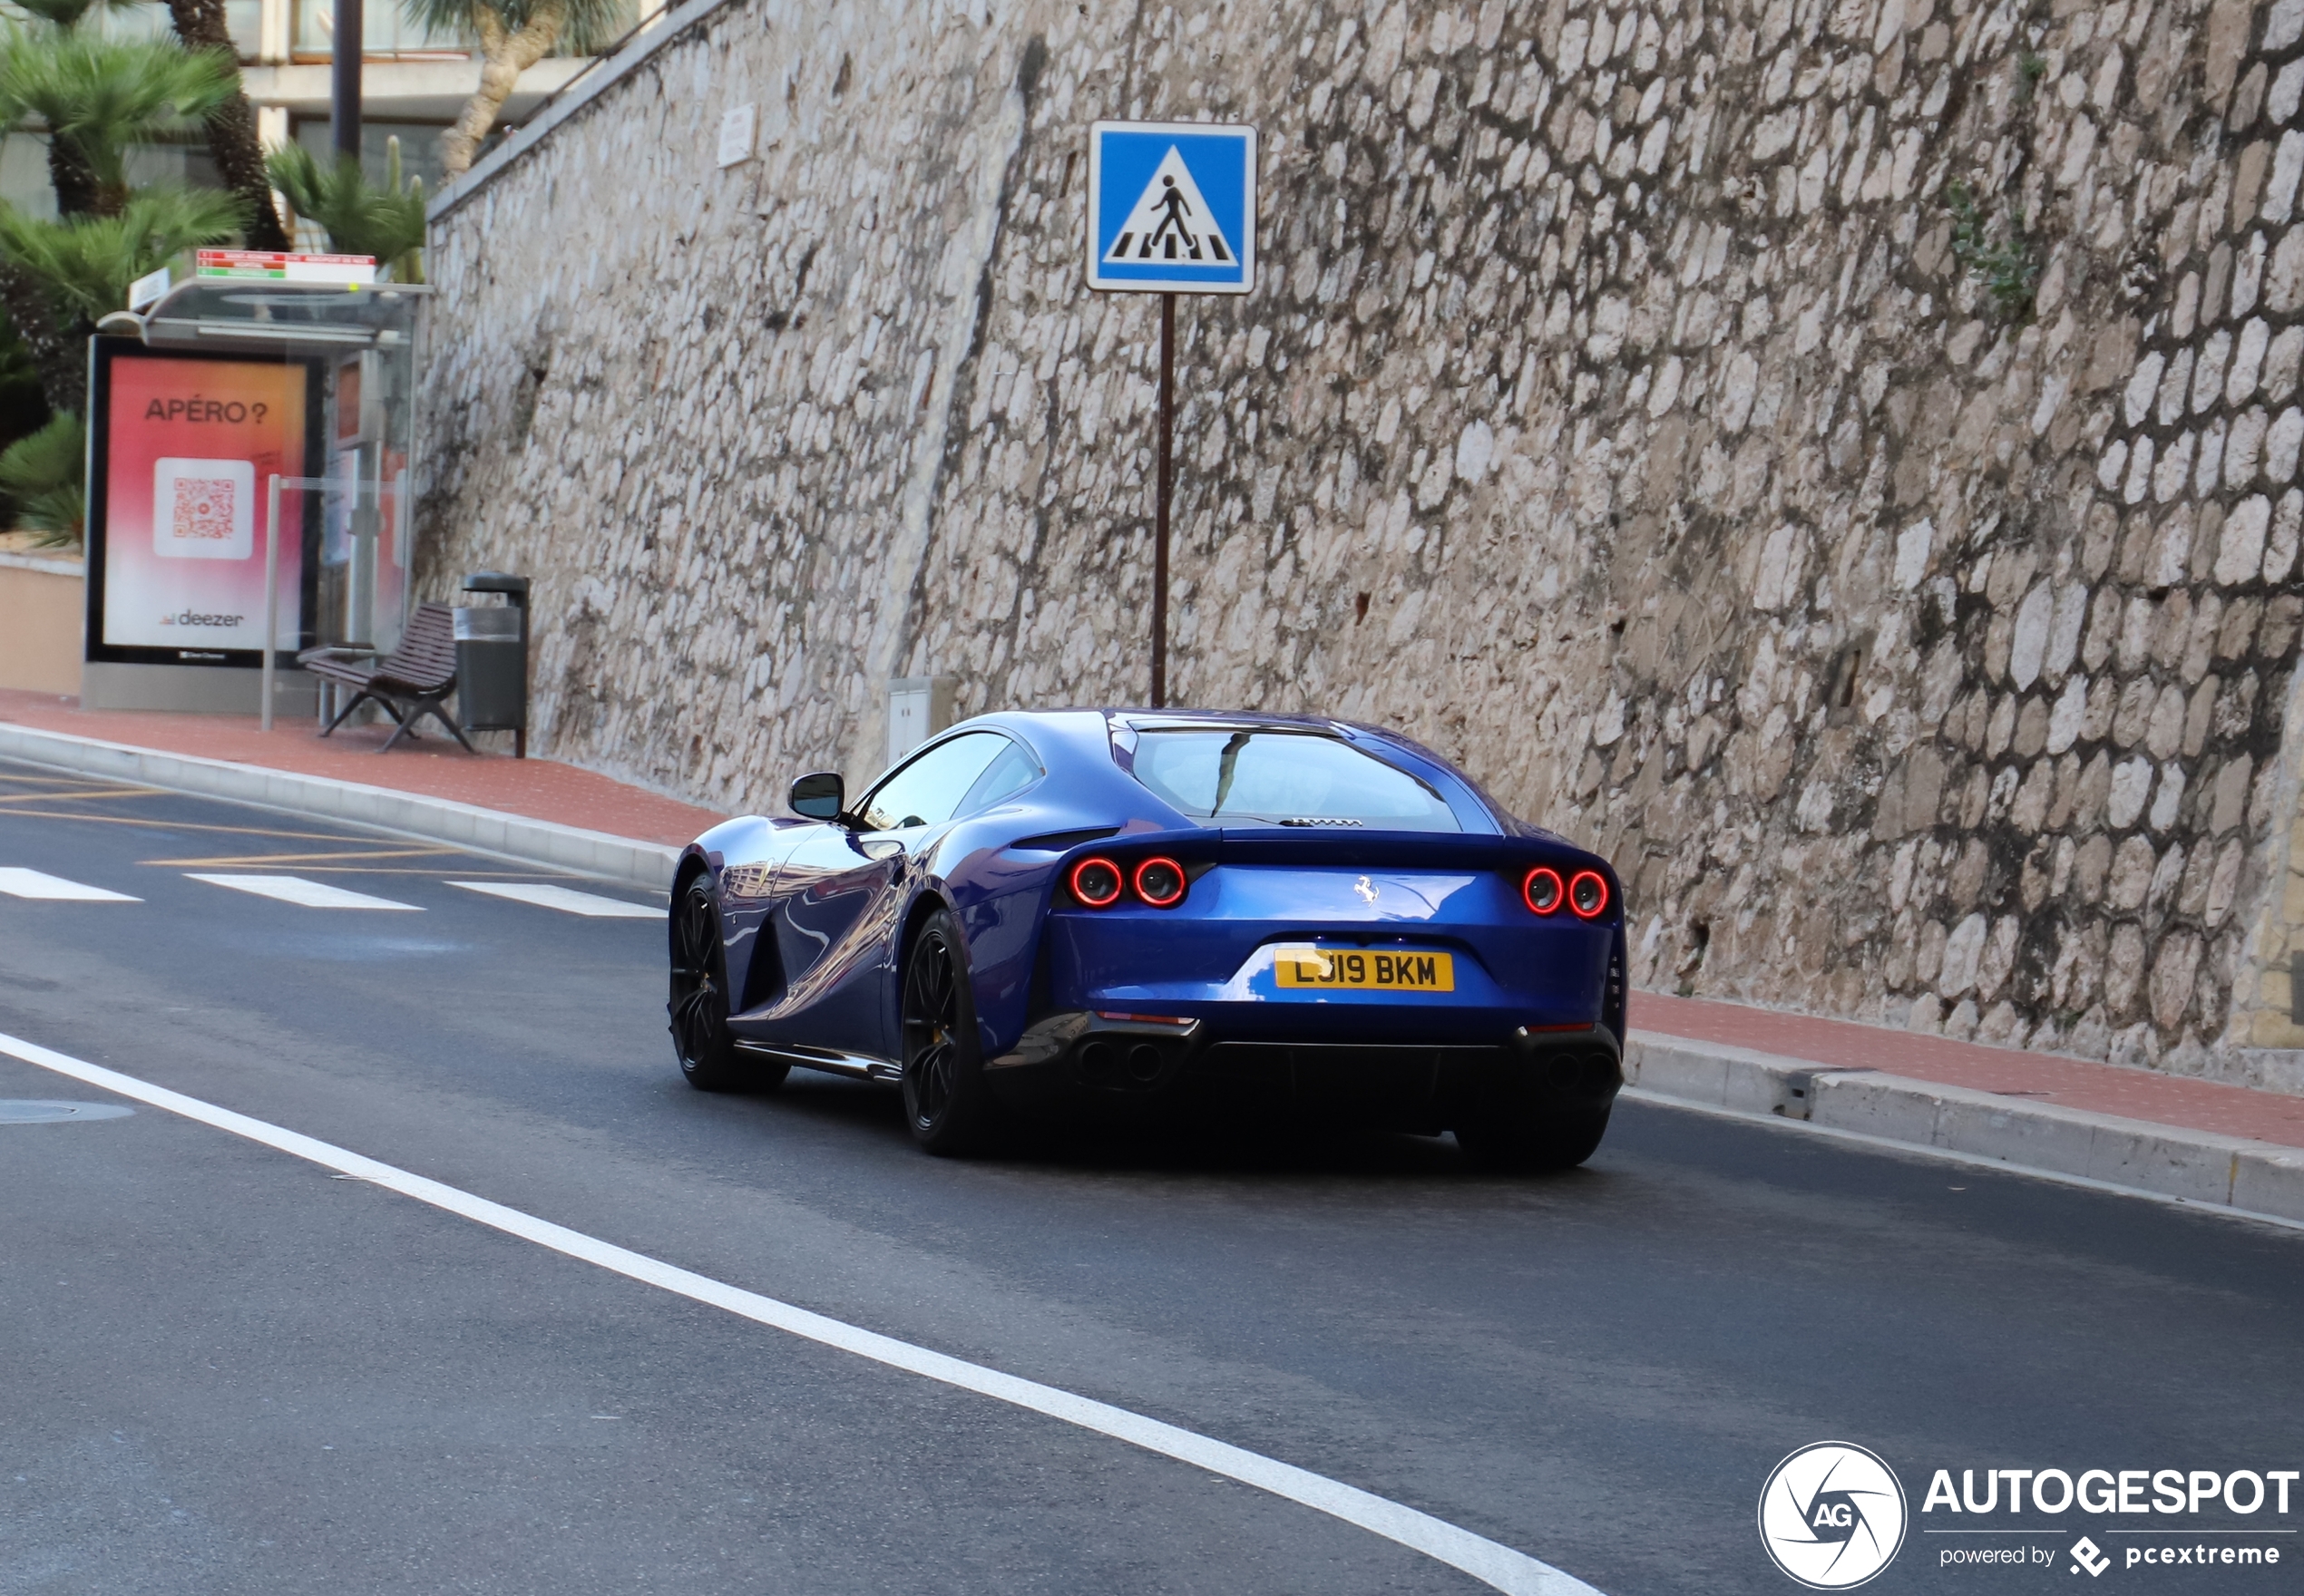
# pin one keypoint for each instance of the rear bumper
(1115, 1067)
(1508, 969)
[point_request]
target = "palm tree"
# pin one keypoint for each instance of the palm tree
(98, 96)
(78, 268)
(89, 261)
(40, 476)
(230, 123)
(512, 35)
(360, 219)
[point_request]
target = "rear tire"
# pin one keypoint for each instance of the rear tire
(1525, 1139)
(947, 1103)
(702, 1040)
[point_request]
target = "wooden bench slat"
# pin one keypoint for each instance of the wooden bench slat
(424, 662)
(411, 680)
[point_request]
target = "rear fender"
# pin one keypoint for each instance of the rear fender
(923, 906)
(1002, 894)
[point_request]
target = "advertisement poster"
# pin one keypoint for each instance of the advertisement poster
(193, 444)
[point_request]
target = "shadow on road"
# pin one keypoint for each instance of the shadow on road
(1245, 1144)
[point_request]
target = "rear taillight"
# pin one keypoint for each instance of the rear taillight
(1542, 890)
(1588, 894)
(1097, 883)
(1160, 882)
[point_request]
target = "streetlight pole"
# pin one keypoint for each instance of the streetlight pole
(345, 78)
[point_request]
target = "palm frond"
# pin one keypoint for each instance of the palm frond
(88, 261)
(43, 474)
(104, 94)
(361, 219)
(585, 25)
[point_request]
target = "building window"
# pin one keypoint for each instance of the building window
(384, 33)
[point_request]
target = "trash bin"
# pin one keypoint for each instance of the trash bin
(491, 658)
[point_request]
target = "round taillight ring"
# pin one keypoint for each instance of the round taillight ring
(1097, 883)
(1588, 894)
(1159, 881)
(1542, 890)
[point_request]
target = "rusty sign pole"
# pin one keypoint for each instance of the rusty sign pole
(1171, 210)
(1160, 514)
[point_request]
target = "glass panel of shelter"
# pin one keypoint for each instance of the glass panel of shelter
(345, 529)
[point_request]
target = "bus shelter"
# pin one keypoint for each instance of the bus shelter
(288, 380)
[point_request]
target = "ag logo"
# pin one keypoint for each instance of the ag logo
(1833, 1516)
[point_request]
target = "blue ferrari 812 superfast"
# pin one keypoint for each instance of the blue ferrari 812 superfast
(1145, 912)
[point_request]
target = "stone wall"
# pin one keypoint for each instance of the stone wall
(1834, 455)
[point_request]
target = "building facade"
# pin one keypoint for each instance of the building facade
(413, 84)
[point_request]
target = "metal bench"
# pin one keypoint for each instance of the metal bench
(410, 681)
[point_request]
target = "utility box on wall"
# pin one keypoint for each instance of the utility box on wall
(918, 708)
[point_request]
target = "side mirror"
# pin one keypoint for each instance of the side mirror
(821, 796)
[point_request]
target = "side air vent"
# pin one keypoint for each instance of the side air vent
(1056, 841)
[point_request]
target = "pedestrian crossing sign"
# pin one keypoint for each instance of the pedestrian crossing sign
(1171, 208)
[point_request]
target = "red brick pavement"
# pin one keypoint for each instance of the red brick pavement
(2047, 1077)
(540, 789)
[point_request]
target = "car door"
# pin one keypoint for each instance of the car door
(841, 897)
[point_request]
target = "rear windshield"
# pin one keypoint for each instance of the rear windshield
(1285, 778)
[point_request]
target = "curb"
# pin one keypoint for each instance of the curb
(411, 814)
(2260, 1179)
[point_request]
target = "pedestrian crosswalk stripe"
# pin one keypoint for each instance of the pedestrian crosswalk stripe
(564, 898)
(19, 882)
(1170, 221)
(310, 894)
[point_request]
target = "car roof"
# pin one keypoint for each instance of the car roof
(1083, 735)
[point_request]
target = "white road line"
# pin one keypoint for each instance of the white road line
(563, 899)
(310, 894)
(19, 882)
(1486, 1560)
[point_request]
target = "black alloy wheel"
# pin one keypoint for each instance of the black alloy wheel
(699, 1001)
(946, 1101)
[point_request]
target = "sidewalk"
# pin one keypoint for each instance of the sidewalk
(2137, 1131)
(2004, 1072)
(436, 767)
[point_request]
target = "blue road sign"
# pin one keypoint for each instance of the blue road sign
(1171, 208)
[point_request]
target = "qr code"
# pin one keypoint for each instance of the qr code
(205, 507)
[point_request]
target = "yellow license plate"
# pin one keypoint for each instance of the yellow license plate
(1365, 968)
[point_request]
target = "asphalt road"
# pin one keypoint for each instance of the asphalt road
(222, 1370)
